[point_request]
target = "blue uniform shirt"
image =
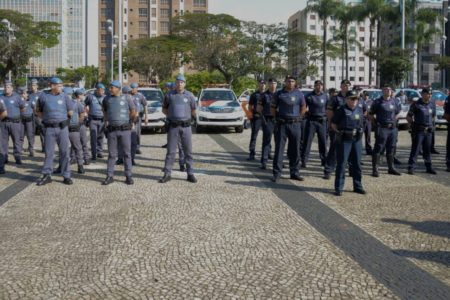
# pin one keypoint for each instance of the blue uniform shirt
(94, 102)
(347, 119)
(288, 103)
(385, 110)
(179, 105)
(139, 101)
(422, 113)
(77, 110)
(13, 104)
(254, 99)
(317, 104)
(55, 108)
(118, 109)
(336, 102)
(266, 102)
(29, 106)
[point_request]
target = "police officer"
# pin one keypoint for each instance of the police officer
(96, 122)
(33, 96)
(268, 121)
(420, 117)
(27, 121)
(383, 113)
(316, 122)
(141, 107)
(288, 107)
(118, 110)
(3, 114)
(11, 125)
(347, 123)
(55, 110)
(447, 117)
(332, 106)
(256, 119)
(367, 124)
(179, 106)
(76, 120)
(126, 91)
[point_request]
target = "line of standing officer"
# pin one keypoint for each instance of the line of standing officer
(76, 120)
(11, 125)
(268, 121)
(316, 122)
(179, 106)
(383, 113)
(288, 107)
(256, 121)
(55, 110)
(27, 118)
(420, 117)
(33, 96)
(118, 110)
(94, 103)
(347, 124)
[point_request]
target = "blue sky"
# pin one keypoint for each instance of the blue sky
(261, 11)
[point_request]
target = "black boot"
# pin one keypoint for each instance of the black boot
(80, 169)
(375, 163)
(390, 163)
(430, 169)
(44, 180)
(397, 161)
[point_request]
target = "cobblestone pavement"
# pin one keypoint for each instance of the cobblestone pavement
(230, 236)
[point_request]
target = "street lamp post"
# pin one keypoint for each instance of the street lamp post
(8, 26)
(111, 30)
(120, 38)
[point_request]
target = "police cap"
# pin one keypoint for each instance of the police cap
(426, 91)
(100, 86)
(318, 82)
(346, 81)
(133, 85)
(55, 80)
(34, 81)
(352, 95)
(79, 91)
(21, 90)
(181, 77)
(272, 80)
(126, 89)
(261, 81)
(290, 77)
(115, 83)
(8, 82)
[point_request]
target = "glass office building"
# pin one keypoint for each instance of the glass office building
(75, 16)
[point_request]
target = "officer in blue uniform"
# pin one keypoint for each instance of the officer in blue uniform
(33, 95)
(256, 119)
(27, 121)
(383, 113)
(55, 110)
(179, 106)
(288, 107)
(347, 123)
(332, 106)
(3, 114)
(420, 117)
(118, 110)
(268, 121)
(96, 122)
(11, 125)
(447, 117)
(140, 100)
(367, 124)
(76, 120)
(316, 122)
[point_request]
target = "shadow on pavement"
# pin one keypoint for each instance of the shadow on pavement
(441, 257)
(439, 228)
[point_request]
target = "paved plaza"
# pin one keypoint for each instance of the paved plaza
(233, 235)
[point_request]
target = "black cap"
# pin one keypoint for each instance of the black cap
(288, 77)
(261, 81)
(346, 81)
(352, 94)
(332, 90)
(272, 80)
(426, 90)
(386, 86)
(318, 82)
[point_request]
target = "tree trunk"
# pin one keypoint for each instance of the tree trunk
(370, 51)
(346, 53)
(418, 66)
(324, 50)
(378, 46)
(343, 62)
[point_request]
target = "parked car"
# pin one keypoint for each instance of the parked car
(219, 107)
(156, 118)
(440, 121)
(1, 90)
(373, 93)
(411, 94)
(438, 97)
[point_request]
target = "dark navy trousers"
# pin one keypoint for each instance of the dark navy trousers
(420, 140)
(311, 128)
(268, 128)
(293, 134)
(256, 126)
(385, 138)
(348, 151)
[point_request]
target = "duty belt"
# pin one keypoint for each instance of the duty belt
(56, 124)
(388, 125)
(27, 119)
(354, 134)
(289, 120)
(123, 127)
(96, 118)
(422, 128)
(11, 120)
(185, 123)
(74, 128)
(320, 119)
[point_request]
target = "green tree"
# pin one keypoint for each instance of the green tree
(88, 74)
(324, 9)
(30, 38)
(159, 57)
(394, 64)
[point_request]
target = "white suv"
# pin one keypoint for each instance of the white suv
(156, 118)
(219, 107)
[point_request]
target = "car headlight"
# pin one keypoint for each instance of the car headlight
(203, 108)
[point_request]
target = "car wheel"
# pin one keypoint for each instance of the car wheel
(199, 129)
(246, 124)
(239, 129)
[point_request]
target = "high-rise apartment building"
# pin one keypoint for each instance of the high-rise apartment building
(309, 22)
(141, 19)
(78, 41)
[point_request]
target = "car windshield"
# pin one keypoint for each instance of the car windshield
(374, 94)
(152, 95)
(218, 98)
(154, 103)
(438, 96)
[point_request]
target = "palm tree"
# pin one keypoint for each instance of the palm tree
(324, 10)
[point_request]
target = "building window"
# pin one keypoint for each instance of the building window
(312, 27)
(312, 17)
(164, 2)
(361, 29)
(143, 35)
(361, 69)
(153, 12)
(332, 78)
(164, 13)
(143, 2)
(332, 68)
(352, 48)
(153, 1)
(352, 78)
(198, 11)
(361, 39)
(352, 69)
(153, 25)
(143, 25)
(361, 58)
(200, 3)
(361, 79)
(104, 38)
(294, 23)
(164, 26)
(143, 12)
(103, 51)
